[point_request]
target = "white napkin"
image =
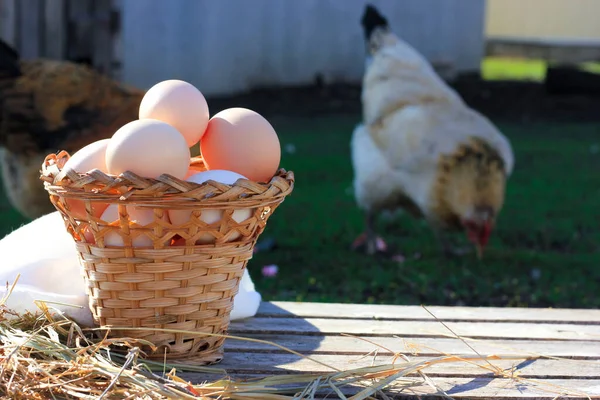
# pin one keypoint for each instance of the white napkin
(51, 273)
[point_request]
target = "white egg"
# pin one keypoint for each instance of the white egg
(149, 148)
(211, 216)
(141, 216)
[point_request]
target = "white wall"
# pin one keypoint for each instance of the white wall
(547, 20)
(228, 46)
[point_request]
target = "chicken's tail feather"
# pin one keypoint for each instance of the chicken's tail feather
(9, 60)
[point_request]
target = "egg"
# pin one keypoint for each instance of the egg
(178, 242)
(242, 141)
(210, 216)
(89, 157)
(84, 160)
(138, 215)
(149, 148)
(179, 104)
(88, 235)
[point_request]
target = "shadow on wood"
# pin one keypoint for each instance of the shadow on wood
(241, 355)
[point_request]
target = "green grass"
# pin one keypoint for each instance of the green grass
(550, 226)
(504, 68)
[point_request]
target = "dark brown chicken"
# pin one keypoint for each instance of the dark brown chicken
(47, 106)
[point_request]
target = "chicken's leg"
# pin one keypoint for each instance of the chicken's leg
(369, 238)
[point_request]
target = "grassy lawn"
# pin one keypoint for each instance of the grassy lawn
(544, 252)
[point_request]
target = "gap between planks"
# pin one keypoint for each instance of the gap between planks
(417, 313)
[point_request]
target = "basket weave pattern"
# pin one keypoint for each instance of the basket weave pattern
(148, 272)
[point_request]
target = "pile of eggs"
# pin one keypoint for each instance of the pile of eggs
(236, 143)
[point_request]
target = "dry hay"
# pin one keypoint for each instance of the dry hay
(48, 356)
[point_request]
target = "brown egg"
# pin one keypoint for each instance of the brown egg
(149, 148)
(77, 208)
(178, 242)
(88, 235)
(84, 160)
(242, 141)
(179, 104)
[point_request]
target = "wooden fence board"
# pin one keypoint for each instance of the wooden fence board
(55, 35)
(30, 28)
(74, 30)
(8, 21)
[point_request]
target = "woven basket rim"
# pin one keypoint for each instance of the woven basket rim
(96, 185)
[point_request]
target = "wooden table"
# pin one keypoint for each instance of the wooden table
(564, 346)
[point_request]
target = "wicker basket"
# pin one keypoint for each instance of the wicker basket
(184, 287)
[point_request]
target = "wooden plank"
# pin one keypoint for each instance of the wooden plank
(80, 24)
(30, 29)
(479, 330)
(117, 40)
(417, 346)
(516, 388)
(314, 329)
(278, 363)
(8, 20)
(393, 312)
(102, 36)
(55, 37)
(469, 388)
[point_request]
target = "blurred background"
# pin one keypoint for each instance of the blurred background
(530, 66)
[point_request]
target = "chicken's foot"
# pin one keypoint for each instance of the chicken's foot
(378, 245)
(369, 239)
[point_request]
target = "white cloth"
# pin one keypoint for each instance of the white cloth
(51, 273)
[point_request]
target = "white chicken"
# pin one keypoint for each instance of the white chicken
(51, 273)
(421, 148)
